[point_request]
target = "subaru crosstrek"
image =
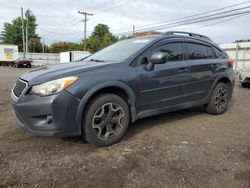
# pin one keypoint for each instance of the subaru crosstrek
(99, 97)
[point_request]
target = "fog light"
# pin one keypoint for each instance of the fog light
(49, 119)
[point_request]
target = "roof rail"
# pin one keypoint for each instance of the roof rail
(187, 33)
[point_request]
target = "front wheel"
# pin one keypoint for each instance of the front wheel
(219, 100)
(106, 120)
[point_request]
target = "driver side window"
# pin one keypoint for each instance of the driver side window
(174, 51)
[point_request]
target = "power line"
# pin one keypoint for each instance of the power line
(117, 3)
(63, 26)
(101, 5)
(203, 17)
(194, 15)
(56, 33)
(186, 20)
(69, 21)
(194, 20)
(200, 20)
(227, 20)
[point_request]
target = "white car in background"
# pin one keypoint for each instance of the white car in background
(244, 77)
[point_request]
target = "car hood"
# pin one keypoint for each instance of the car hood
(47, 73)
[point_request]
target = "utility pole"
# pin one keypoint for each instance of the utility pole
(133, 30)
(23, 32)
(27, 28)
(43, 45)
(85, 27)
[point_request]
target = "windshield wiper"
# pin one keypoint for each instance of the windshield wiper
(96, 60)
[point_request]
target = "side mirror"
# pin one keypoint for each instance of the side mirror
(157, 58)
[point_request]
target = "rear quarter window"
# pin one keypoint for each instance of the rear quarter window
(219, 54)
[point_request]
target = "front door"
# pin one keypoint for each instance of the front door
(166, 85)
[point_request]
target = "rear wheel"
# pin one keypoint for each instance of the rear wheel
(106, 120)
(219, 100)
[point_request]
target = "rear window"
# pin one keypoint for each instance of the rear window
(199, 51)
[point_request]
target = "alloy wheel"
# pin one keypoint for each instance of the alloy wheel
(221, 98)
(107, 121)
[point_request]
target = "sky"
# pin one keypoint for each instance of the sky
(59, 20)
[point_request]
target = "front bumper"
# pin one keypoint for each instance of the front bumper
(47, 116)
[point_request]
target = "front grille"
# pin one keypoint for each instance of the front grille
(19, 87)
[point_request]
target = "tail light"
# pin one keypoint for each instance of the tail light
(230, 63)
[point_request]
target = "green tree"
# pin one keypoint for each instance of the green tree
(35, 45)
(12, 32)
(242, 40)
(58, 47)
(100, 38)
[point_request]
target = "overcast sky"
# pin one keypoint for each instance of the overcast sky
(58, 19)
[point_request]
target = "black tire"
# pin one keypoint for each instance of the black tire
(106, 114)
(219, 101)
(245, 85)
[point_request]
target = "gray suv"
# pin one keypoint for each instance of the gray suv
(101, 95)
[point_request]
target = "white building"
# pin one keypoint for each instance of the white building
(240, 53)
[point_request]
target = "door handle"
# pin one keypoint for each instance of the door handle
(214, 66)
(183, 70)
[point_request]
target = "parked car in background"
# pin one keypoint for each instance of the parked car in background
(19, 63)
(244, 77)
(101, 95)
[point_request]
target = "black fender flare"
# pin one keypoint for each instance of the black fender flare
(219, 77)
(104, 85)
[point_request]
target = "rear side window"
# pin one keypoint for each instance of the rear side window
(199, 51)
(219, 53)
(174, 51)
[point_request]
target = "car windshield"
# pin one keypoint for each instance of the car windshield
(120, 50)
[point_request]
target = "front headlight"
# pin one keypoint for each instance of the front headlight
(52, 87)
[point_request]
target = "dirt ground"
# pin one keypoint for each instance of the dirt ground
(188, 148)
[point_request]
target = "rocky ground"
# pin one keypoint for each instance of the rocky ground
(188, 148)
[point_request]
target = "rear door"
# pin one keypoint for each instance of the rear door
(166, 84)
(203, 66)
